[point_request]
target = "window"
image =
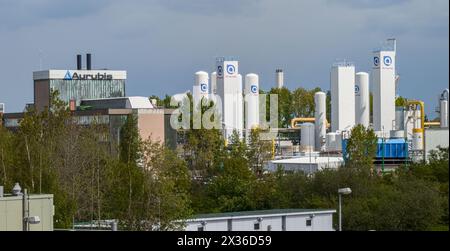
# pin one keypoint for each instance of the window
(308, 222)
(201, 228)
(269, 228)
(229, 225)
(256, 226)
(283, 223)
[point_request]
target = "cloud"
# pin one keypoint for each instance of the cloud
(368, 4)
(161, 43)
(20, 13)
(213, 7)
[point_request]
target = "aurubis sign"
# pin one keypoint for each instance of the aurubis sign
(79, 76)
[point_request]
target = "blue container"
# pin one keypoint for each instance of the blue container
(393, 149)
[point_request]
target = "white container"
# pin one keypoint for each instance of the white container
(307, 137)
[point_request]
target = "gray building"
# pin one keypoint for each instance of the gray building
(265, 220)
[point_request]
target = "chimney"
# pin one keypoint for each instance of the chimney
(88, 62)
(279, 78)
(79, 63)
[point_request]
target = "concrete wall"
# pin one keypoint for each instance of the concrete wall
(151, 124)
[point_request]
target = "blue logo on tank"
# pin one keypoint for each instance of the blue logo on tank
(387, 60)
(254, 89)
(203, 87)
(231, 69)
(376, 61)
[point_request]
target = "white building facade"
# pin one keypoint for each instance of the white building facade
(265, 220)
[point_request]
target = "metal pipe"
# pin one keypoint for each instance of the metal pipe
(294, 122)
(427, 124)
(340, 212)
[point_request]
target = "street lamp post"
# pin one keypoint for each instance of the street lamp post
(342, 191)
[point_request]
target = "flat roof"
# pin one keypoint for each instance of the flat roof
(261, 213)
(307, 160)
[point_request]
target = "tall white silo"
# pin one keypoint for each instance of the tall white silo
(229, 89)
(320, 114)
(201, 88)
(251, 101)
(362, 103)
(384, 80)
(444, 108)
(342, 96)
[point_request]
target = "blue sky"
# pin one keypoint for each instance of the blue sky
(161, 43)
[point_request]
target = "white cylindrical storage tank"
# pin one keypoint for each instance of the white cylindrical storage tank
(251, 101)
(320, 101)
(400, 118)
(201, 87)
(307, 137)
(214, 83)
(444, 113)
(239, 115)
(362, 105)
(417, 140)
(279, 78)
(338, 141)
(331, 142)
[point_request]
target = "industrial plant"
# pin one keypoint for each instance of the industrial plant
(403, 134)
(313, 143)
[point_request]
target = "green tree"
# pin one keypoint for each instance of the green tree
(130, 141)
(361, 147)
(285, 111)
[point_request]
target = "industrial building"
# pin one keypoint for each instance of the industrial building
(264, 220)
(99, 96)
(308, 164)
(25, 212)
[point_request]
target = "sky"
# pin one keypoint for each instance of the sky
(162, 43)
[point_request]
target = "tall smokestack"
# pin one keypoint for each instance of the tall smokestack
(79, 63)
(88, 62)
(279, 78)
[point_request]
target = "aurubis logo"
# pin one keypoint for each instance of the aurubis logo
(254, 89)
(231, 69)
(203, 87)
